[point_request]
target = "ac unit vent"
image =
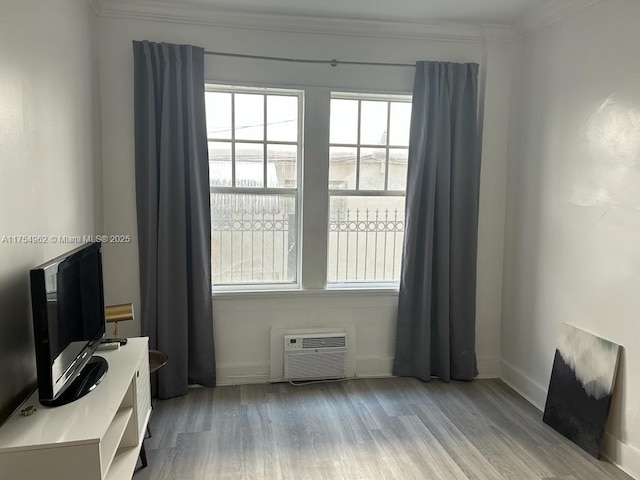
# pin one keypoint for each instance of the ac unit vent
(324, 342)
(315, 356)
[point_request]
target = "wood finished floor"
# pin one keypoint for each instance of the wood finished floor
(392, 428)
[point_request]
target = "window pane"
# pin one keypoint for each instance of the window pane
(218, 108)
(253, 239)
(365, 239)
(249, 116)
(220, 164)
(249, 165)
(400, 122)
(344, 121)
(282, 118)
(373, 123)
(373, 162)
(281, 166)
(398, 168)
(342, 167)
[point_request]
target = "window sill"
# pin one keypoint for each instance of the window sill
(330, 291)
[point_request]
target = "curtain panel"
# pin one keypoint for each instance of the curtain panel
(436, 305)
(173, 208)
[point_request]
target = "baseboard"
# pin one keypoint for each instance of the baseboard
(373, 375)
(535, 394)
(374, 367)
(624, 456)
(242, 374)
(366, 367)
(489, 368)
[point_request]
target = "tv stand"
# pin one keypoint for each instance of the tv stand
(88, 379)
(96, 437)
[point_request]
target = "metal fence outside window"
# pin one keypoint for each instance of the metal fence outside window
(254, 248)
(364, 246)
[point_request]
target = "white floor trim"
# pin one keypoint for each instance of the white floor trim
(373, 367)
(241, 374)
(625, 457)
(534, 393)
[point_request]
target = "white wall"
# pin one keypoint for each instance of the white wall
(573, 221)
(491, 220)
(48, 167)
(243, 322)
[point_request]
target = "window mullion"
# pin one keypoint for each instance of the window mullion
(233, 139)
(386, 167)
(264, 146)
(358, 143)
(315, 204)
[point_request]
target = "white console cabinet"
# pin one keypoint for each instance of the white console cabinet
(97, 437)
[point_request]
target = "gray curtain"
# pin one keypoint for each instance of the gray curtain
(436, 306)
(174, 220)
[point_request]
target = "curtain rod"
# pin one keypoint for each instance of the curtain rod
(333, 62)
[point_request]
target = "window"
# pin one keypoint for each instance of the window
(369, 139)
(258, 199)
(255, 144)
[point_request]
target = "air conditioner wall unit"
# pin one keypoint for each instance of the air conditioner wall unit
(316, 356)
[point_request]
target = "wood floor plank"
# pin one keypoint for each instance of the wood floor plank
(428, 448)
(368, 429)
(512, 461)
(457, 445)
(259, 449)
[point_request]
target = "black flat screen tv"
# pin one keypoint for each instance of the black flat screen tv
(67, 300)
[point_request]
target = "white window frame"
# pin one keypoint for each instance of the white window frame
(312, 199)
(355, 192)
(265, 190)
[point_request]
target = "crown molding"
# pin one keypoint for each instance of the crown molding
(200, 14)
(551, 13)
(197, 14)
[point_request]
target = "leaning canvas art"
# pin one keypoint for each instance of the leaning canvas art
(582, 379)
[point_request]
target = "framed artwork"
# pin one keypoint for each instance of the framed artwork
(582, 379)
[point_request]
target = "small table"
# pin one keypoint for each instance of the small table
(157, 360)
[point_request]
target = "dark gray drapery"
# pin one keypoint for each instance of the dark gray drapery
(174, 220)
(436, 306)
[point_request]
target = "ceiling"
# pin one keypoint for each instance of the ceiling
(415, 11)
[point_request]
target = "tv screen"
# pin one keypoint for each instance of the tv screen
(68, 316)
